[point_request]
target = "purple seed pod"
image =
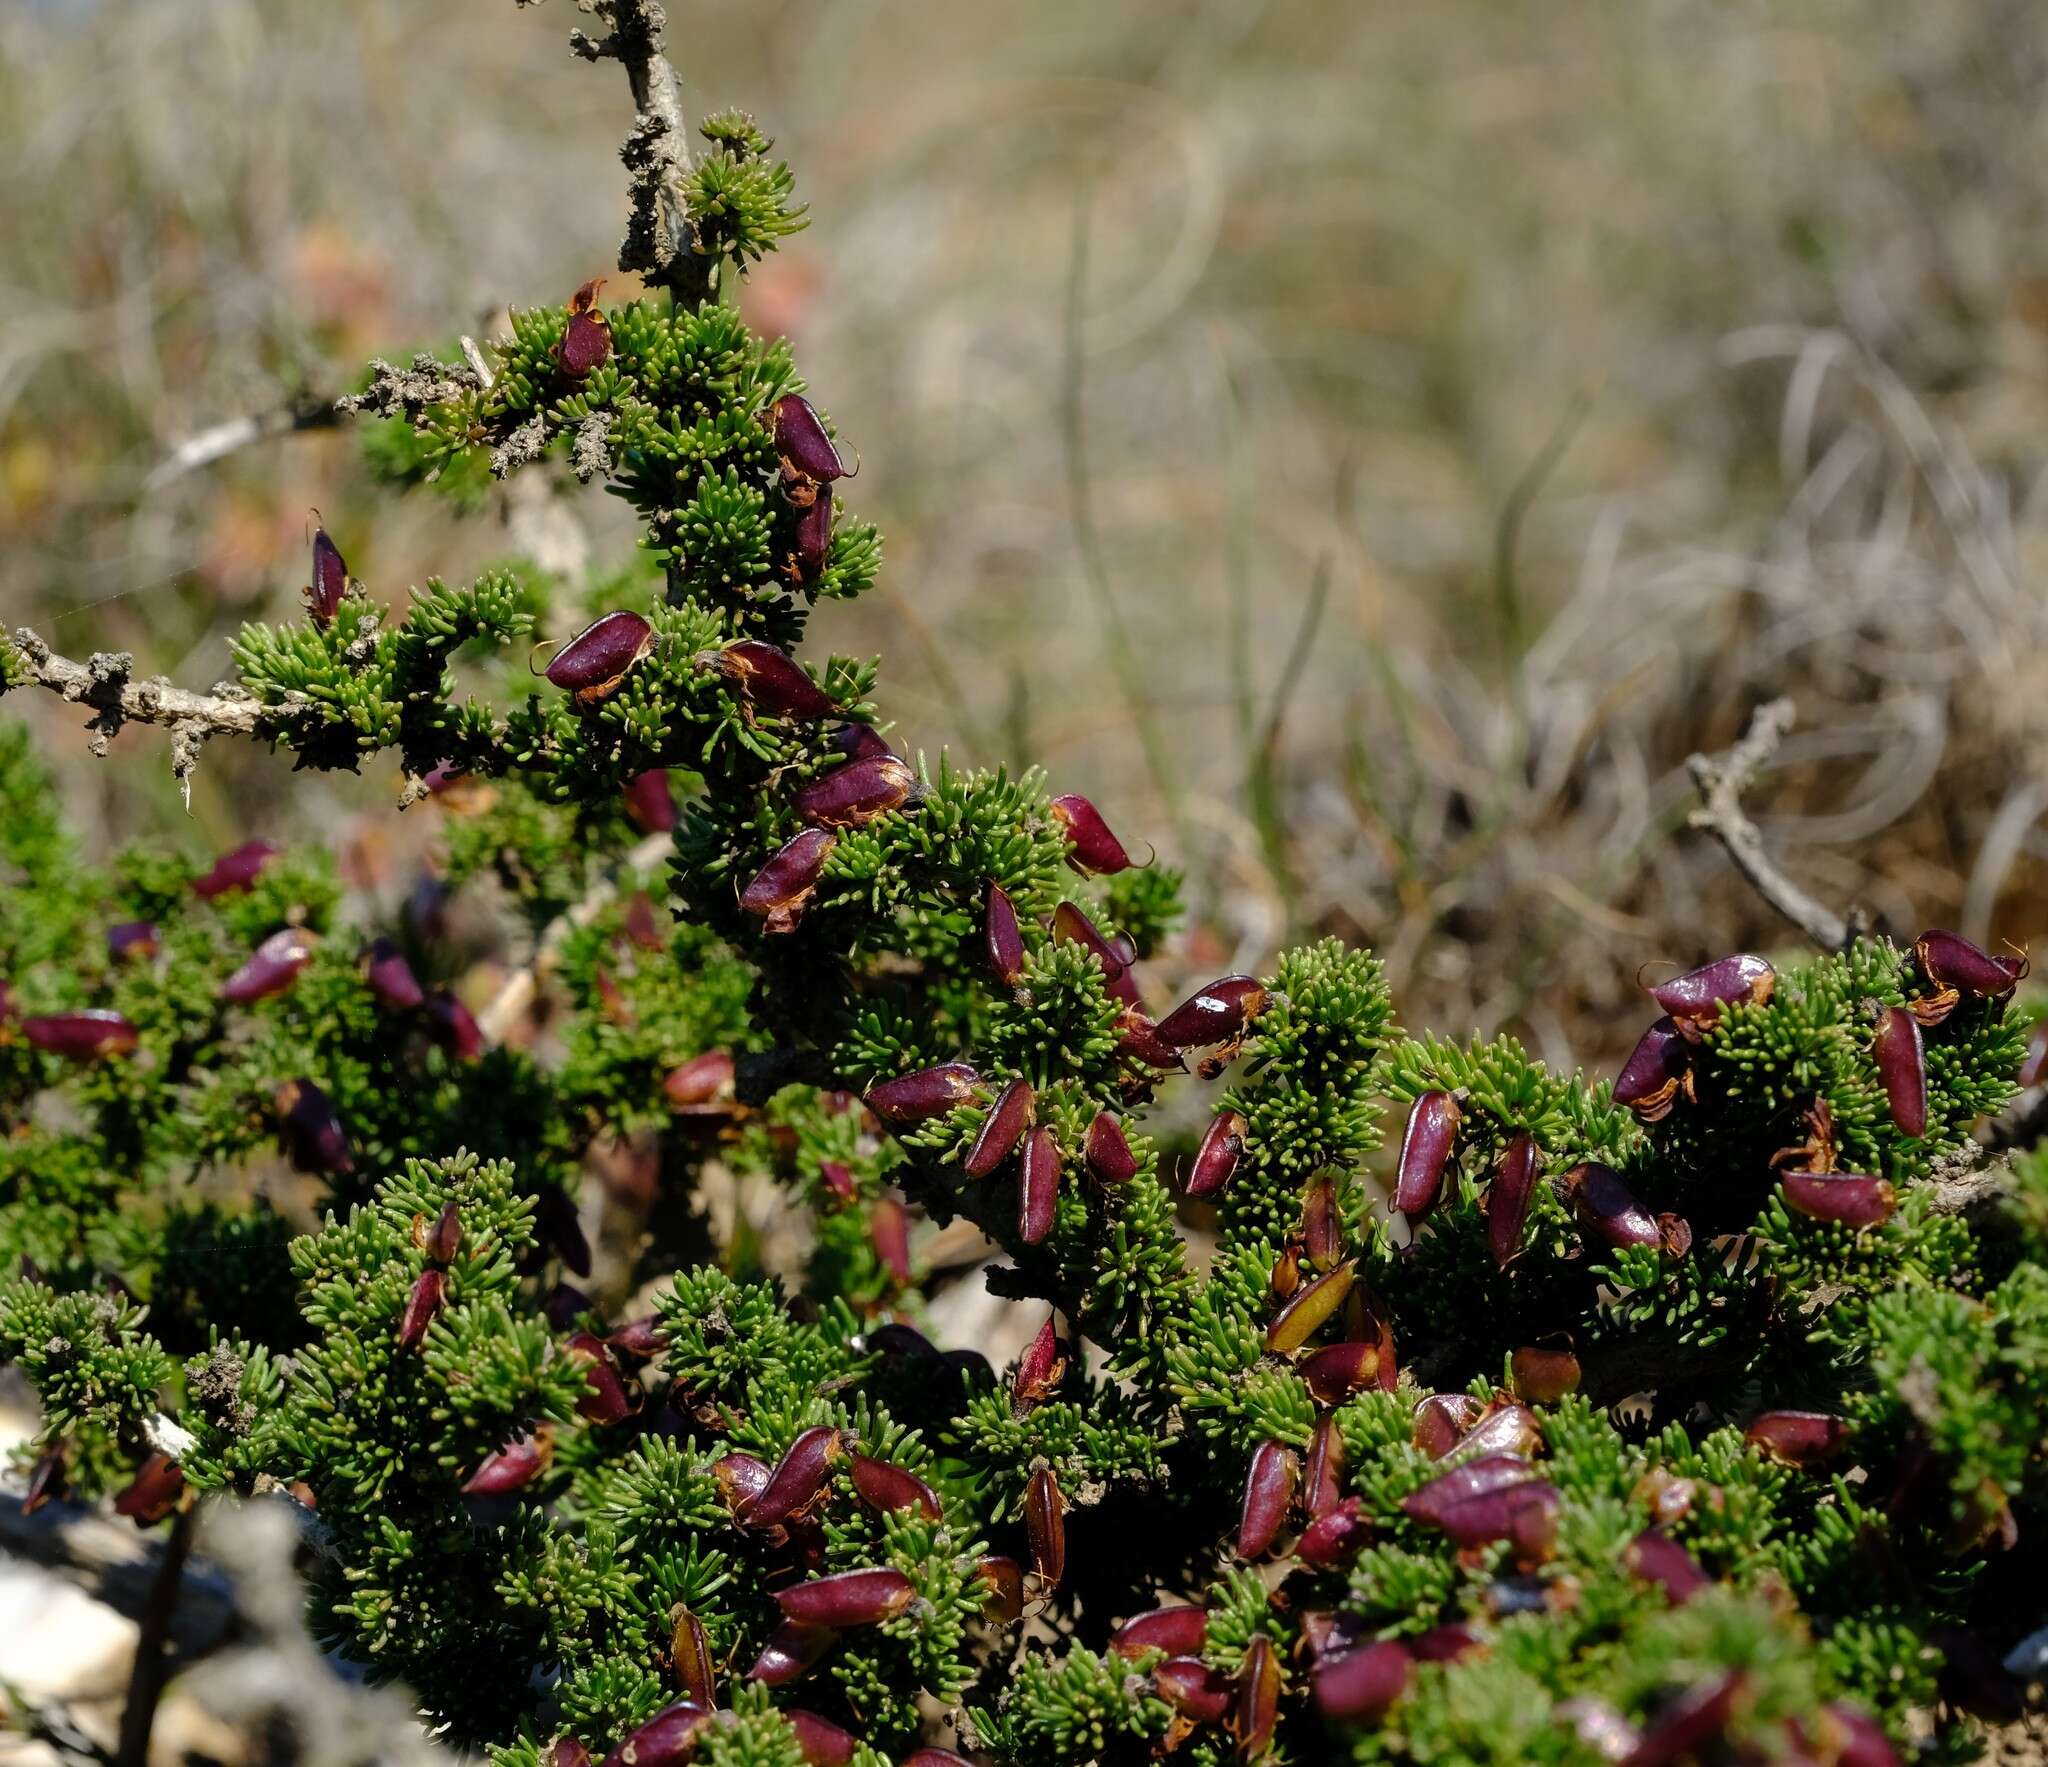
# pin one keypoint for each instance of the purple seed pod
(1846, 1199)
(839, 1182)
(927, 1093)
(1856, 1738)
(272, 967)
(1796, 1438)
(650, 802)
(1426, 1146)
(1258, 1698)
(1003, 1580)
(330, 580)
(1694, 1000)
(1045, 1526)
(1179, 1631)
(1001, 1129)
(391, 978)
(237, 870)
(607, 1401)
(1310, 1310)
(556, 1221)
(1685, 1726)
(1336, 1536)
(1217, 1156)
(439, 1241)
(1216, 1013)
(510, 1468)
(1322, 1471)
(1268, 1495)
(1336, 1371)
(1137, 1041)
(1038, 1187)
(889, 1234)
(1902, 1066)
(772, 680)
(668, 1737)
(429, 1290)
(593, 663)
(1091, 849)
(563, 1305)
(849, 1598)
(807, 451)
(1657, 1558)
(642, 925)
(1525, 1515)
(1070, 926)
(1107, 1153)
(703, 1079)
(587, 339)
(133, 941)
(1508, 1196)
(799, 1478)
(153, 1493)
(1505, 1428)
(1039, 1370)
(1596, 1724)
(887, 1487)
(1361, 1686)
(783, 888)
(1441, 1420)
(1005, 938)
(1445, 1644)
(812, 546)
(741, 1478)
(638, 1340)
(690, 1651)
(789, 1654)
(1657, 1067)
(313, 1136)
(857, 792)
(1957, 967)
(859, 742)
(821, 1742)
(81, 1036)
(1468, 1479)
(1193, 1689)
(567, 1751)
(1322, 1224)
(1607, 1207)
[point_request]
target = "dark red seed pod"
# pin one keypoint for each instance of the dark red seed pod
(821, 1742)
(272, 967)
(1137, 1041)
(1694, 1000)
(1268, 1495)
(1441, 1420)
(1286, 1274)
(638, 1340)
(1845, 1199)
(607, 1401)
(690, 1651)
(651, 802)
(849, 1598)
(889, 1234)
(1902, 1067)
(452, 1025)
(782, 889)
(1650, 1079)
(1004, 936)
(1336, 1371)
(1322, 1224)
(1039, 1371)
(812, 546)
(593, 663)
(439, 1240)
(1178, 1631)
(511, 1468)
(1336, 1536)
(157, 1488)
(1523, 1514)
(1505, 1428)
(330, 580)
(1361, 1686)
(1956, 966)
(237, 870)
(1657, 1558)
(1216, 1013)
(1685, 1726)
(1070, 926)
(1426, 1147)
(1855, 1738)
(1004, 1581)
(587, 339)
(133, 941)
(741, 1479)
(567, 1751)
(1604, 1732)
(1216, 1159)
(1193, 1689)
(670, 1736)
(887, 1487)
(859, 742)
(1107, 1153)
(799, 1477)
(1038, 1187)
(1322, 1471)
(1468, 1479)
(81, 1036)
(857, 792)
(1045, 1525)
(563, 1305)
(703, 1079)
(839, 1182)
(1543, 1376)
(807, 451)
(927, 1093)
(429, 1291)
(1309, 1311)
(1001, 1129)
(1258, 1698)
(1445, 1644)
(642, 925)
(772, 680)
(2034, 1066)
(1607, 1208)
(1508, 1196)
(789, 1654)
(1091, 849)
(1797, 1438)
(391, 978)
(313, 1137)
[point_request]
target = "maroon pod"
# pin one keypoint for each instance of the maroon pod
(1508, 1197)
(1258, 1698)
(1685, 1726)
(1216, 1159)
(789, 1654)
(1858, 1740)
(1336, 1371)
(1956, 967)
(1469, 1479)
(586, 342)
(1426, 1146)
(1039, 1370)
(81, 1036)
(1846, 1199)
(741, 1478)
(703, 1079)
(1360, 1686)
(1107, 1153)
(1544, 1376)
(1657, 1558)
(771, 679)
(1003, 1585)
(812, 543)
(1004, 937)
(330, 580)
(855, 793)
(650, 804)
(1655, 1072)
(1216, 1013)
(510, 1468)
(889, 1234)
(133, 940)
(1193, 1689)
(1001, 1129)
(1045, 1525)
(429, 1291)
(927, 1093)
(272, 967)
(822, 1743)
(782, 889)
(1695, 999)
(1322, 1471)
(313, 1136)
(391, 978)
(593, 663)
(851, 1598)
(1607, 1207)
(1796, 1438)
(666, 1738)
(1091, 848)
(1902, 1066)
(153, 1493)
(1268, 1495)
(1505, 1427)
(1137, 1041)
(1336, 1536)
(1038, 1187)
(607, 1400)
(452, 1025)
(887, 1487)
(1179, 1631)
(807, 451)
(566, 1751)
(690, 1651)
(799, 1477)
(237, 870)
(1441, 1420)
(1070, 926)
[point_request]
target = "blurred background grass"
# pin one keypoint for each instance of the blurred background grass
(1470, 409)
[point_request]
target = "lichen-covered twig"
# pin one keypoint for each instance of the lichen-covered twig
(219, 440)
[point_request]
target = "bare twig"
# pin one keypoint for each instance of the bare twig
(146, 1679)
(1722, 780)
(223, 439)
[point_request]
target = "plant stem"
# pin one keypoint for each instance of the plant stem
(146, 1679)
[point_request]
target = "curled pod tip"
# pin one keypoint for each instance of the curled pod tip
(1002, 1581)
(1694, 1000)
(586, 343)
(1440, 1421)
(1091, 848)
